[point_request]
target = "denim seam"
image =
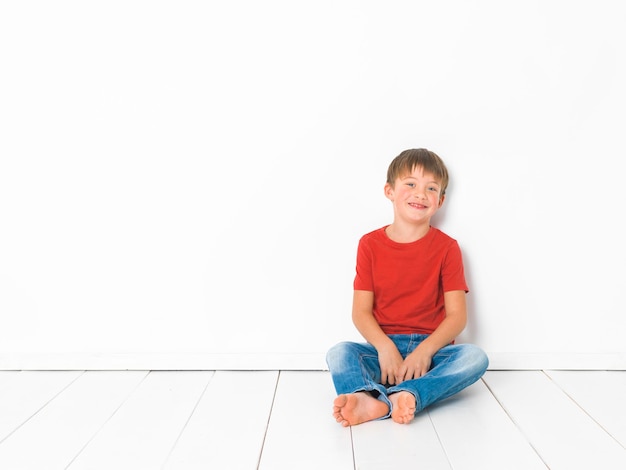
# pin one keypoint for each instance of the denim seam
(370, 388)
(366, 377)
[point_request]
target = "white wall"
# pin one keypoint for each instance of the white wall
(183, 184)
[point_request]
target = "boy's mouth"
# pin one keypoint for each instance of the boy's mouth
(417, 206)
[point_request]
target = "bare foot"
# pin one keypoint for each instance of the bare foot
(357, 408)
(403, 410)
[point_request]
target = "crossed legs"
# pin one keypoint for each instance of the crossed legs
(356, 374)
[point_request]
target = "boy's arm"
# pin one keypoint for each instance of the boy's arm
(389, 357)
(418, 362)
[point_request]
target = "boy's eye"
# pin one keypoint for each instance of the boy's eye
(411, 185)
(433, 188)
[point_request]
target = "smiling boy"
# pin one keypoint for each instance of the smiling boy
(408, 304)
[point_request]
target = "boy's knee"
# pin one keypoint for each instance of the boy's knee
(475, 358)
(336, 353)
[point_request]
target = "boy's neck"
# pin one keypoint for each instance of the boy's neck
(406, 234)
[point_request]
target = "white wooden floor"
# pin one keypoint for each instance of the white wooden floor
(282, 420)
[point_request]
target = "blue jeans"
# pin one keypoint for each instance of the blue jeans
(354, 368)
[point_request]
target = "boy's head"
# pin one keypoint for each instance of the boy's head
(428, 161)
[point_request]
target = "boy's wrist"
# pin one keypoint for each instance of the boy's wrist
(383, 343)
(426, 348)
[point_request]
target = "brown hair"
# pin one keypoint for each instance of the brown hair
(408, 160)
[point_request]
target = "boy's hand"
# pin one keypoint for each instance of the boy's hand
(390, 361)
(415, 365)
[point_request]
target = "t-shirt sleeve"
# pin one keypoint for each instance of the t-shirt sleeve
(453, 273)
(364, 279)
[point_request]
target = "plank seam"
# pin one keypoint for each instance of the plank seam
(352, 448)
(193, 411)
(432, 423)
(515, 423)
(107, 420)
(269, 419)
(582, 408)
(41, 408)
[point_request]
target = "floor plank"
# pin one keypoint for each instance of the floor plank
(302, 433)
(469, 424)
(228, 426)
(6, 376)
(67, 423)
(385, 444)
(526, 420)
(24, 394)
(563, 435)
(601, 394)
(143, 431)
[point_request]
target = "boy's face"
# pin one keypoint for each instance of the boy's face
(416, 196)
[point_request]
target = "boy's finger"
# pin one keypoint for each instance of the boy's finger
(386, 378)
(401, 374)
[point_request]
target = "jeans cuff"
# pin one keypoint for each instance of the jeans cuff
(382, 396)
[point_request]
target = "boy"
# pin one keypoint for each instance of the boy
(409, 305)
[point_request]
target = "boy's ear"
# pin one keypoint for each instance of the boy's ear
(441, 199)
(389, 191)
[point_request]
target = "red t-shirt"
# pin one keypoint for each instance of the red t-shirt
(409, 279)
